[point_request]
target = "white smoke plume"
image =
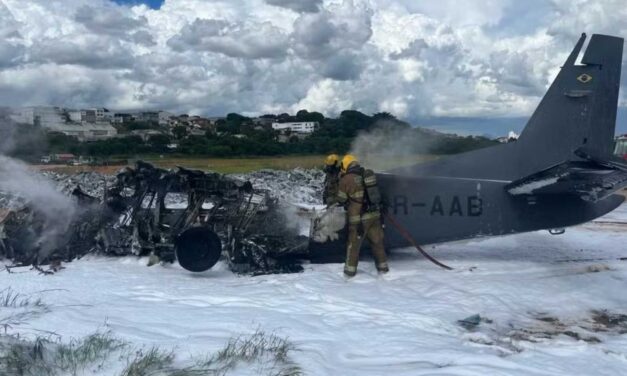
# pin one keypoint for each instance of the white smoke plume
(20, 183)
(387, 146)
(7, 132)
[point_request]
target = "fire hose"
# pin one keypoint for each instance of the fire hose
(405, 234)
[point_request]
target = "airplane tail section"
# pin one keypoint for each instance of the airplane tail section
(579, 109)
(573, 127)
(574, 122)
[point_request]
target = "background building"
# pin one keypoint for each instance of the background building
(57, 119)
(303, 127)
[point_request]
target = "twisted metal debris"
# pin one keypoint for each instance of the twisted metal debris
(189, 215)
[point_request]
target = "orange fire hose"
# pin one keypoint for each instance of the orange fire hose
(405, 234)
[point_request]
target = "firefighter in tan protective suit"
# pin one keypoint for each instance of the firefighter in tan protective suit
(364, 216)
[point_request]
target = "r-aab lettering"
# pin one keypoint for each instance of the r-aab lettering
(471, 206)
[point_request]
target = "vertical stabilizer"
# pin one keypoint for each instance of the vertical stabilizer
(579, 110)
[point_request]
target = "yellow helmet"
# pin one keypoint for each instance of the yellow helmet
(331, 160)
(347, 161)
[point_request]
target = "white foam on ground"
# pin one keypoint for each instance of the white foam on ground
(400, 324)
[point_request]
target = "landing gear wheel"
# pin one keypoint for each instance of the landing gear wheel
(198, 249)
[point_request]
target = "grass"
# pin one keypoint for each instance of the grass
(17, 309)
(93, 349)
(267, 352)
(100, 353)
(241, 165)
(261, 353)
(43, 357)
(12, 299)
(150, 361)
(244, 165)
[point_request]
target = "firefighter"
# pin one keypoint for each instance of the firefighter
(331, 179)
(360, 196)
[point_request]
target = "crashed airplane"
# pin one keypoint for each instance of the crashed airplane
(559, 173)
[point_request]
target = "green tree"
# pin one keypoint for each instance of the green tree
(159, 142)
(304, 115)
(383, 116)
(234, 122)
(180, 132)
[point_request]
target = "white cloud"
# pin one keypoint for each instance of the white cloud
(415, 59)
(12, 48)
(87, 51)
(109, 20)
(251, 41)
(325, 96)
(333, 40)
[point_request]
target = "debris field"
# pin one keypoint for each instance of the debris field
(191, 216)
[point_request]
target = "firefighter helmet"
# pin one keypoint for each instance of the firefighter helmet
(331, 160)
(347, 161)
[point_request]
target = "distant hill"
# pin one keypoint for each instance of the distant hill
(238, 135)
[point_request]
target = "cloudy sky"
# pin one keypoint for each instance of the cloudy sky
(479, 66)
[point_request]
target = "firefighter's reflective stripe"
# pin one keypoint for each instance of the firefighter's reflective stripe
(350, 269)
(342, 196)
(370, 180)
(354, 219)
(358, 194)
(370, 215)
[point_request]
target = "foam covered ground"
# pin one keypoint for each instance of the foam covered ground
(539, 297)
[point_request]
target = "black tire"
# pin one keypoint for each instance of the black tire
(198, 249)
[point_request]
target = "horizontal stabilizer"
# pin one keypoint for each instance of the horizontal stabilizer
(589, 180)
(611, 162)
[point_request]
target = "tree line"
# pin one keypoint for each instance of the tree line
(238, 135)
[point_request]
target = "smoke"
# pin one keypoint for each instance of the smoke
(388, 145)
(294, 221)
(20, 184)
(20, 140)
(7, 132)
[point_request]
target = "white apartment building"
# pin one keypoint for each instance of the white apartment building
(22, 115)
(86, 131)
(75, 115)
(304, 127)
(78, 123)
(164, 117)
(103, 114)
(100, 113)
(44, 117)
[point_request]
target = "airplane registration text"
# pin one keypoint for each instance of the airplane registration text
(470, 206)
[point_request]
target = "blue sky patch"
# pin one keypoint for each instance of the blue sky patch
(154, 4)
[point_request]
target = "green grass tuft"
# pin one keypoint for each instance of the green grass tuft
(269, 353)
(150, 362)
(12, 299)
(92, 350)
(44, 357)
(17, 309)
(102, 354)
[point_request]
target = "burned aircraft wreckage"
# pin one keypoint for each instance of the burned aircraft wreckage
(218, 215)
(559, 173)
